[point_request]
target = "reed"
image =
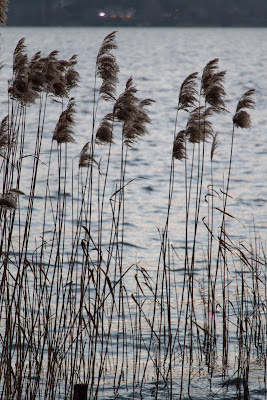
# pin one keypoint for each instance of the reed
(67, 314)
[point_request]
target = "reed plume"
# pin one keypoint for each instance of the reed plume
(212, 86)
(104, 133)
(20, 58)
(214, 145)
(208, 74)
(199, 128)
(71, 75)
(136, 127)
(19, 89)
(3, 11)
(64, 129)
(59, 76)
(5, 140)
(132, 112)
(41, 74)
(246, 101)
(55, 82)
(27, 82)
(86, 159)
(179, 148)
(187, 94)
(8, 200)
(35, 72)
(54, 74)
(107, 68)
(125, 106)
(242, 118)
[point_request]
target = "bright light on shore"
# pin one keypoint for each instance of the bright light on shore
(102, 14)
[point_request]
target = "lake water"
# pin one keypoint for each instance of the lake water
(159, 59)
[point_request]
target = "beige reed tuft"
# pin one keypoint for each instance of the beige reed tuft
(8, 200)
(188, 92)
(104, 133)
(5, 140)
(179, 148)
(41, 75)
(212, 86)
(3, 11)
(64, 129)
(214, 145)
(199, 128)
(132, 112)
(86, 159)
(107, 68)
(242, 118)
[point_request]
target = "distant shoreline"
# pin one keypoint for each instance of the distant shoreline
(121, 25)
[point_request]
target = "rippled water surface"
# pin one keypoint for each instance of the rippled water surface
(159, 59)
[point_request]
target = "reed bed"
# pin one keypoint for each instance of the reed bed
(67, 314)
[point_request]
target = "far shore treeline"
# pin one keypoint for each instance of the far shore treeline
(138, 13)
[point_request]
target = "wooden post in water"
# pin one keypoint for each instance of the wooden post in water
(80, 391)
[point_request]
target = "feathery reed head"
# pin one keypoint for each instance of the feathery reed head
(53, 70)
(104, 133)
(86, 159)
(179, 148)
(208, 73)
(20, 58)
(5, 140)
(246, 101)
(242, 119)
(8, 200)
(214, 145)
(198, 127)
(3, 11)
(126, 104)
(214, 97)
(136, 126)
(130, 110)
(60, 75)
(71, 75)
(107, 68)
(36, 78)
(64, 129)
(187, 95)
(131, 130)
(19, 89)
(212, 86)
(48, 74)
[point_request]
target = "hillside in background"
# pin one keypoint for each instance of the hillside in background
(138, 12)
